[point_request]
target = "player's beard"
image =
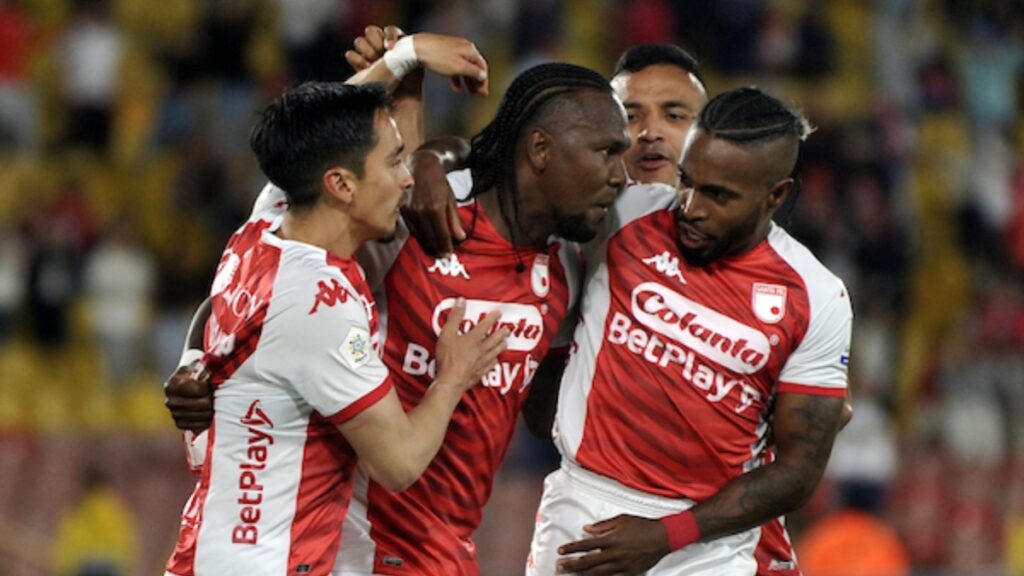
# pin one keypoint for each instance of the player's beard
(575, 228)
(726, 245)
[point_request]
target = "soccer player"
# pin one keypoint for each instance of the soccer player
(662, 90)
(550, 163)
(292, 348)
(704, 319)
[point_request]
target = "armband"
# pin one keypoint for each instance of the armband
(682, 530)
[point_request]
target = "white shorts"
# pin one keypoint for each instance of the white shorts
(574, 497)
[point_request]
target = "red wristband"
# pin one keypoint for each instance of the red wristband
(682, 530)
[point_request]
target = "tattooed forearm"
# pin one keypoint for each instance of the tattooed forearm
(805, 427)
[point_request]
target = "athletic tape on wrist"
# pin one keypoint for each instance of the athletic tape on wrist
(682, 530)
(402, 59)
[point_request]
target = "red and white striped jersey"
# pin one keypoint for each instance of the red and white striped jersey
(427, 529)
(675, 367)
(292, 346)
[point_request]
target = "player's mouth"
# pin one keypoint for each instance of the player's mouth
(652, 161)
(691, 237)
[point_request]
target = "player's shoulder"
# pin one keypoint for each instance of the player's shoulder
(638, 200)
(820, 281)
(307, 269)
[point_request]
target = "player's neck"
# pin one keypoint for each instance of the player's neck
(526, 234)
(320, 228)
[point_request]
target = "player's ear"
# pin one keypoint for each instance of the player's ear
(340, 184)
(778, 193)
(538, 149)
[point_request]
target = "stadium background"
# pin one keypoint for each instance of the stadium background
(124, 167)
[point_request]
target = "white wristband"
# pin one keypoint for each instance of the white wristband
(189, 356)
(402, 59)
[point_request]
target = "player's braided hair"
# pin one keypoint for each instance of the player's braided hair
(750, 115)
(492, 154)
(747, 115)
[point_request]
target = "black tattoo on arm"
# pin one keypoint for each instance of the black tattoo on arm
(805, 428)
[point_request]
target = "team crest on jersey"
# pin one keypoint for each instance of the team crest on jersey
(769, 302)
(450, 266)
(540, 276)
(355, 350)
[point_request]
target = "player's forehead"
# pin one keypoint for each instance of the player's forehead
(659, 83)
(598, 113)
(388, 137)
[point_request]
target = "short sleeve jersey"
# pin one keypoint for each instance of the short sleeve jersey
(675, 367)
(427, 528)
(292, 347)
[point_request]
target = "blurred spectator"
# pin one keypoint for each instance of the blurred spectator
(18, 123)
(647, 22)
(12, 274)
(119, 281)
(227, 35)
(990, 63)
(91, 52)
(864, 460)
(311, 33)
(97, 536)
(52, 283)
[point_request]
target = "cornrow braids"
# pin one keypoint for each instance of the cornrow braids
(492, 154)
(748, 114)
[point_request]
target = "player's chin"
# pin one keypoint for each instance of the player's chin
(388, 233)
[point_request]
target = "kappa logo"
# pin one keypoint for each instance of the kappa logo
(329, 295)
(667, 264)
(450, 266)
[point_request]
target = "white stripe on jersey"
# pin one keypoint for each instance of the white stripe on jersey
(636, 201)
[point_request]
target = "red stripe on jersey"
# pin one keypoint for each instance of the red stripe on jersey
(325, 489)
(774, 552)
(182, 560)
(353, 409)
(791, 388)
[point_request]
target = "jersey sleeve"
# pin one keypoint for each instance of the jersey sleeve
(819, 365)
(318, 342)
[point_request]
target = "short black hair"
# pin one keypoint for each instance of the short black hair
(638, 57)
(492, 153)
(312, 127)
(749, 114)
